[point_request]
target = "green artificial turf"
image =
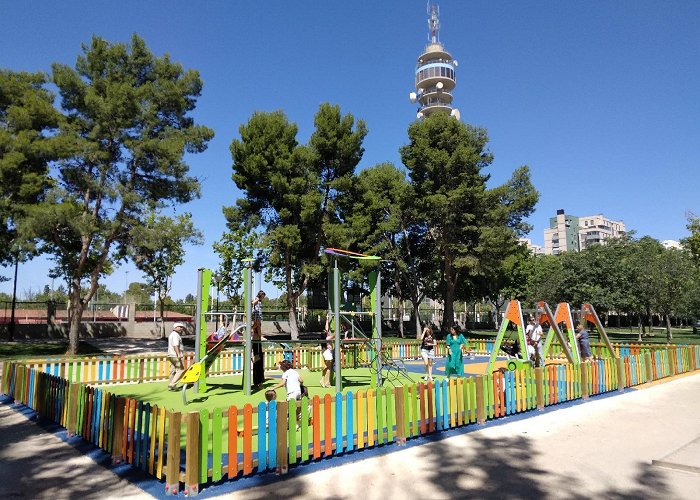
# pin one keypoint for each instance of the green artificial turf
(225, 391)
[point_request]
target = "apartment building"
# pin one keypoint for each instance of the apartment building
(569, 233)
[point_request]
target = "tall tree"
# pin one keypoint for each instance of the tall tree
(672, 281)
(157, 247)
(28, 142)
(642, 260)
(544, 279)
(238, 245)
(384, 222)
(292, 192)
(28, 122)
(504, 275)
(127, 118)
(446, 159)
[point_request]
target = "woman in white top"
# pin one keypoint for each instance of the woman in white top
(427, 352)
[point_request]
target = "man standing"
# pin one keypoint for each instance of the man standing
(175, 355)
(533, 332)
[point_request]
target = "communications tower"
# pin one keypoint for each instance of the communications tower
(435, 73)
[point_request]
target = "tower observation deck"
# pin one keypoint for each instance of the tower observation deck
(435, 73)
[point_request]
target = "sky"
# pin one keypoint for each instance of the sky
(600, 99)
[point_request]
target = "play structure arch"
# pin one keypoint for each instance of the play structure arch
(543, 315)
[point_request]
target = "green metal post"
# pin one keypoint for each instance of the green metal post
(247, 354)
(336, 326)
(200, 325)
(375, 286)
(497, 345)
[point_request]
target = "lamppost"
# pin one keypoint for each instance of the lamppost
(11, 329)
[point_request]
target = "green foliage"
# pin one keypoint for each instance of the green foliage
(469, 225)
(157, 247)
(692, 242)
(293, 193)
(28, 122)
(139, 293)
(384, 222)
(237, 245)
(128, 129)
(624, 275)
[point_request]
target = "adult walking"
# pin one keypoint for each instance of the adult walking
(456, 343)
(427, 352)
(257, 338)
(176, 355)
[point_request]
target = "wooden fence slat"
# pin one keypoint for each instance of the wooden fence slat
(172, 473)
(282, 432)
(192, 450)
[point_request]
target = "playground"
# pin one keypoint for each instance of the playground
(362, 392)
(227, 390)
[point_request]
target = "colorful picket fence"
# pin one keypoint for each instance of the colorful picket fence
(226, 443)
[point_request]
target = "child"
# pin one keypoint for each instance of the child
(327, 361)
(293, 382)
(270, 395)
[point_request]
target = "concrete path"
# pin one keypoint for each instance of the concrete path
(603, 448)
(36, 464)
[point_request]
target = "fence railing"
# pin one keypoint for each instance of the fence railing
(155, 367)
(195, 448)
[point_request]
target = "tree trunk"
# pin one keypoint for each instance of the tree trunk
(415, 314)
(161, 326)
(448, 315)
(291, 297)
(292, 309)
(640, 327)
(669, 335)
(77, 308)
(401, 309)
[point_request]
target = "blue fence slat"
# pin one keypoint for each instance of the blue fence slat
(438, 405)
(262, 436)
(272, 433)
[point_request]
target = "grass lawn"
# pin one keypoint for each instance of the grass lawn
(43, 349)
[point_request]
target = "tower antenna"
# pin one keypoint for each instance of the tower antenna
(433, 22)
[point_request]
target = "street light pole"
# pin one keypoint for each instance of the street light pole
(11, 330)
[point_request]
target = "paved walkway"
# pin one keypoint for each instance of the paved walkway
(36, 464)
(604, 448)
